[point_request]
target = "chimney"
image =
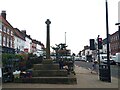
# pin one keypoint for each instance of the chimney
(24, 32)
(3, 14)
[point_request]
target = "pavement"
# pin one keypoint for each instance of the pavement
(85, 79)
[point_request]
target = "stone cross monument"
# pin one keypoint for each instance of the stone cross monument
(48, 72)
(48, 22)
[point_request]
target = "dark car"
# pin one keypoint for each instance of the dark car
(112, 62)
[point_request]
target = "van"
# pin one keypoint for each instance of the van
(83, 58)
(117, 59)
(103, 57)
(77, 58)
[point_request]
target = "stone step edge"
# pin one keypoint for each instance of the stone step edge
(50, 70)
(44, 80)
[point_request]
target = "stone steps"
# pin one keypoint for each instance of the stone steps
(48, 80)
(50, 73)
(46, 66)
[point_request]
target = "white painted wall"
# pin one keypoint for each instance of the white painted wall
(28, 44)
(104, 50)
(19, 43)
(38, 47)
(88, 52)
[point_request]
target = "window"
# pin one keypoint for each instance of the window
(4, 40)
(0, 26)
(4, 29)
(116, 38)
(11, 33)
(112, 39)
(7, 41)
(8, 30)
(119, 44)
(10, 42)
(0, 39)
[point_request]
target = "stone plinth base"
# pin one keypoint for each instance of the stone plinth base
(49, 73)
(48, 80)
(46, 66)
(47, 61)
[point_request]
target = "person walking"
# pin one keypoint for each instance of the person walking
(94, 67)
(61, 63)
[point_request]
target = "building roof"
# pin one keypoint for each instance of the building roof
(19, 34)
(86, 47)
(37, 42)
(5, 22)
(114, 33)
(28, 36)
(105, 40)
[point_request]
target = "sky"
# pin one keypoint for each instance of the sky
(80, 19)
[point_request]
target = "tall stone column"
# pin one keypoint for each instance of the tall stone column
(48, 22)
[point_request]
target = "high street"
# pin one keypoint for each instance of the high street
(88, 65)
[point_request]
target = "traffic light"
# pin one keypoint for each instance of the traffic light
(100, 43)
(92, 44)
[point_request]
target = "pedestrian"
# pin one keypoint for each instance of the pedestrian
(61, 63)
(94, 67)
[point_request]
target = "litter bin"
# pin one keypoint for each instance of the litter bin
(103, 72)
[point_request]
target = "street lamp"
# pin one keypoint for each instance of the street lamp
(107, 34)
(65, 38)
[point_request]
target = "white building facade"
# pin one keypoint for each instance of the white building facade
(19, 44)
(28, 44)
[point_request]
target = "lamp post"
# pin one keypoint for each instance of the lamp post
(65, 38)
(107, 34)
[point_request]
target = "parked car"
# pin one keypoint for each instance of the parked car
(103, 58)
(114, 57)
(83, 58)
(112, 62)
(117, 58)
(77, 58)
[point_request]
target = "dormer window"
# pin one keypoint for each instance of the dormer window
(4, 29)
(4, 41)
(8, 31)
(11, 33)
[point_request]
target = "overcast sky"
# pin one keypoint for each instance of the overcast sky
(80, 19)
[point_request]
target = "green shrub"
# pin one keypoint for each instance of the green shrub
(10, 59)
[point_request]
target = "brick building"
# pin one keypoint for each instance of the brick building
(6, 34)
(115, 42)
